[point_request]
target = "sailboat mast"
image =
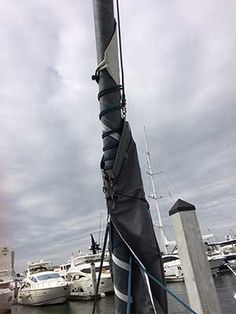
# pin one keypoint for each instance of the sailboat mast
(107, 76)
(132, 241)
(154, 195)
(112, 117)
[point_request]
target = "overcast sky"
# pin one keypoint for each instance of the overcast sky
(180, 70)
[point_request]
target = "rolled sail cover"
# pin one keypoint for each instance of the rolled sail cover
(130, 216)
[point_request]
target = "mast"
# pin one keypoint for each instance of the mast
(108, 78)
(154, 195)
(133, 247)
(107, 75)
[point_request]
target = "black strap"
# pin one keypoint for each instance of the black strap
(114, 89)
(109, 157)
(102, 113)
(109, 147)
(107, 133)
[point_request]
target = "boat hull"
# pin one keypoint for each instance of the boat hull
(172, 268)
(82, 289)
(174, 278)
(6, 298)
(231, 259)
(45, 296)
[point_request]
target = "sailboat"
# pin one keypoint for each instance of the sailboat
(219, 254)
(171, 262)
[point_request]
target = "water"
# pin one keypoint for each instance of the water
(225, 285)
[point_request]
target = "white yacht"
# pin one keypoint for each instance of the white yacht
(42, 286)
(80, 276)
(6, 279)
(63, 269)
(222, 253)
(172, 268)
(6, 294)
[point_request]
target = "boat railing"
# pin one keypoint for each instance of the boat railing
(48, 284)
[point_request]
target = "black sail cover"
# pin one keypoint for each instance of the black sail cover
(130, 216)
(132, 240)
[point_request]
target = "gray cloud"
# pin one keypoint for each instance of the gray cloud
(180, 67)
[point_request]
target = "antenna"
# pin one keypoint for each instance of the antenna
(100, 227)
(164, 240)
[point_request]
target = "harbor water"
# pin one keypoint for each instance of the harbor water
(225, 285)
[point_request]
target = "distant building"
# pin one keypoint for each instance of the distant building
(7, 260)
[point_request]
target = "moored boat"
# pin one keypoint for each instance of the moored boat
(63, 269)
(6, 279)
(42, 286)
(81, 278)
(6, 296)
(172, 268)
(222, 253)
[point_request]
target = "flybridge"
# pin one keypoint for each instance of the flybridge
(223, 243)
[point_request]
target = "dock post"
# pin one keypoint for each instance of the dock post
(94, 279)
(199, 283)
(15, 288)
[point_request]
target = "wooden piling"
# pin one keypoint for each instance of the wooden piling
(94, 279)
(199, 283)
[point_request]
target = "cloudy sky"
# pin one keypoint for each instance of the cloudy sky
(180, 69)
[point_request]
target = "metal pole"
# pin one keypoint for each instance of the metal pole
(108, 78)
(154, 195)
(94, 279)
(100, 270)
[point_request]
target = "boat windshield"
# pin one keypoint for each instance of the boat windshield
(48, 276)
(166, 259)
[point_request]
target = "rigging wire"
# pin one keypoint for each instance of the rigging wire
(100, 228)
(123, 97)
(165, 179)
(157, 281)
